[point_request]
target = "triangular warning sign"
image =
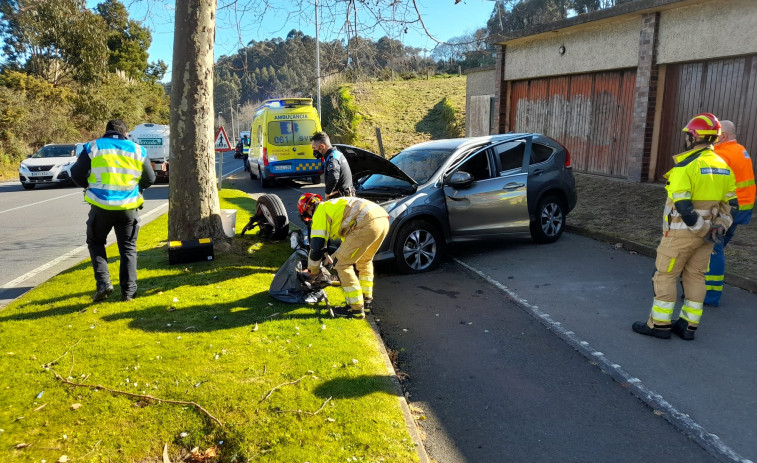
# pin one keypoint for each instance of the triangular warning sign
(222, 141)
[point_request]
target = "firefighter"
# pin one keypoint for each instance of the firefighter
(700, 197)
(362, 226)
(737, 157)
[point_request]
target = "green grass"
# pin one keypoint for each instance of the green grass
(206, 333)
(407, 111)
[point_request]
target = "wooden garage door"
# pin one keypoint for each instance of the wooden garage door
(726, 88)
(590, 114)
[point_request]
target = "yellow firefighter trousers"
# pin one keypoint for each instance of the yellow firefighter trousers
(358, 249)
(685, 256)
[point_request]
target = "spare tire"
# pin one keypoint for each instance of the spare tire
(272, 218)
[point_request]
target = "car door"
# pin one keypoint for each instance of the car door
(496, 202)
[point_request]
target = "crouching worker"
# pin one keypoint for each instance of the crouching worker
(362, 226)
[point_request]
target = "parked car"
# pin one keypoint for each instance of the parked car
(447, 191)
(50, 164)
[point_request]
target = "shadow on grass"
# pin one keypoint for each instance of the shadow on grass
(214, 316)
(433, 123)
(347, 388)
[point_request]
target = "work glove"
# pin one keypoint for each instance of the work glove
(715, 234)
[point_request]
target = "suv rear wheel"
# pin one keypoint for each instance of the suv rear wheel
(550, 220)
(419, 247)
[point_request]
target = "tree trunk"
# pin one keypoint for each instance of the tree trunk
(194, 211)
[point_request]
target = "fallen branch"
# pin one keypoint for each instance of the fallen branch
(49, 364)
(305, 413)
(280, 385)
(140, 396)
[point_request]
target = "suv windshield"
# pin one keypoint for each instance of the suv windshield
(55, 151)
(420, 164)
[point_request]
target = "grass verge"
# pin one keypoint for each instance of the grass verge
(285, 384)
(633, 211)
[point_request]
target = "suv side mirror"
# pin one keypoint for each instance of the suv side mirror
(460, 179)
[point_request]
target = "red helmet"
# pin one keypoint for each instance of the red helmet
(704, 126)
(305, 201)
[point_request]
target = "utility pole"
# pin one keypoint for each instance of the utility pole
(239, 122)
(231, 112)
(317, 61)
(220, 155)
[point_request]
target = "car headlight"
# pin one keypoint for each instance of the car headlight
(23, 168)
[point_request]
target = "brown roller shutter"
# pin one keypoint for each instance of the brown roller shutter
(726, 88)
(590, 114)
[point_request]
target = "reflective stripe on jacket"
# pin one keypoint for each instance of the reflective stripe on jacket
(336, 218)
(702, 177)
(116, 166)
(737, 157)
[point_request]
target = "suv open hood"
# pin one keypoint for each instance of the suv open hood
(363, 162)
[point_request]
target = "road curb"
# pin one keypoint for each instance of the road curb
(412, 428)
(747, 284)
(711, 443)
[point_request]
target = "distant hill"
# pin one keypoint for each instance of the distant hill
(408, 111)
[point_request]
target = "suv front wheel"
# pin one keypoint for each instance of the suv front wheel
(419, 247)
(550, 220)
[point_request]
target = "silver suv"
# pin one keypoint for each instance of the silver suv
(446, 191)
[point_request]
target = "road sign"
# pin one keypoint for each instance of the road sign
(222, 141)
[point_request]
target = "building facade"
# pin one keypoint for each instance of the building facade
(616, 86)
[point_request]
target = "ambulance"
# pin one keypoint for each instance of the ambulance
(280, 142)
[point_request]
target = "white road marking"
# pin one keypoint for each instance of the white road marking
(17, 281)
(42, 268)
(709, 441)
(68, 255)
(40, 202)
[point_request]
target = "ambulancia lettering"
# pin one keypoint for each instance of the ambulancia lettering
(289, 116)
(150, 141)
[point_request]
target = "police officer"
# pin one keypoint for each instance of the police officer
(362, 226)
(700, 195)
(738, 159)
(113, 171)
(338, 173)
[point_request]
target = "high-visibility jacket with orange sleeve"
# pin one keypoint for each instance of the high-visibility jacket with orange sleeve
(737, 157)
(335, 219)
(701, 191)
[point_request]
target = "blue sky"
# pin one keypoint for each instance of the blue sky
(234, 29)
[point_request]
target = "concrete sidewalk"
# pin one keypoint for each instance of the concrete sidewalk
(590, 292)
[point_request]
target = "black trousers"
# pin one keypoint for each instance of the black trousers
(126, 226)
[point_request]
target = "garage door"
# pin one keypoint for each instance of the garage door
(726, 88)
(590, 114)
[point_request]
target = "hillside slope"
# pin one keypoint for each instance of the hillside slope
(406, 111)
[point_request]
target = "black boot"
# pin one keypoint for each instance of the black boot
(102, 293)
(659, 331)
(681, 328)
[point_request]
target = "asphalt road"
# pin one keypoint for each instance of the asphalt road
(43, 230)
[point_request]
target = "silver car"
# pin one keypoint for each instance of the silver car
(50, 164)
(447, 191)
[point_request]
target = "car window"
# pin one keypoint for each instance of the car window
(55, 151)
(510, 155)
(477, 165)
(540, 153)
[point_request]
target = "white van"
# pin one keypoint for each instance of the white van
(155, 139)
